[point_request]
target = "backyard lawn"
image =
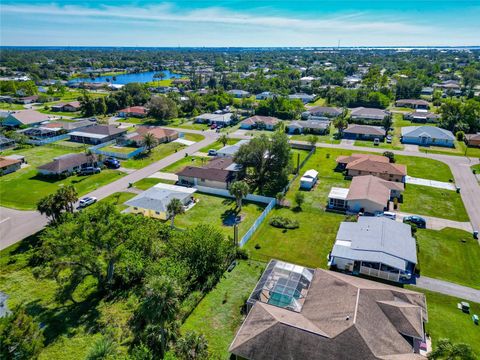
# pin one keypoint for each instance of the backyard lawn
(220, 212)
(23, 188)
(159, 152)
(119, 149)
(425, 200)
(446, 321)
(70, 329)
(451, 255)
(218, 315)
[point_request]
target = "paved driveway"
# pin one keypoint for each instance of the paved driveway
(435, 223)
(431, 183)
(448, 288)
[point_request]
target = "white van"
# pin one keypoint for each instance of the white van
(387, 214)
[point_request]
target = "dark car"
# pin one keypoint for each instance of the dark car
(415, 220)
(112, 163)
(90, 170)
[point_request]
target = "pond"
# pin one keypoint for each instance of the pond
(122, 79)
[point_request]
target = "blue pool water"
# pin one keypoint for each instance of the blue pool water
(142, 77)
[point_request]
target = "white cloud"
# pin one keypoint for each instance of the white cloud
(216, 15)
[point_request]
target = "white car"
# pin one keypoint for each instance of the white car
(86, 201)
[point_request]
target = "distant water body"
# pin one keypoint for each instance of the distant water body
(123, 79)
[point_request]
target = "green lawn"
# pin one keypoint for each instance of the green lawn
(425, 168)
(193, 137)
(319, 102)
(69, 144)
(382, 145)
(23, 188)
(157, 153)
(7, 106)
(186, 161)
(330, 138)
(67, 114)
(218, 315)
(218, 145)
(214, 209)
(451, 255)
(187, 124)
(459, 150)
(425, 200)
(119, 149)
(119, 198)
(446, 321)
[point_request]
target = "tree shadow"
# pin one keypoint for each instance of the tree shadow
(230, 217)
(63, 320)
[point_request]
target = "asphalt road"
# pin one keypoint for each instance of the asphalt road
(16, 225)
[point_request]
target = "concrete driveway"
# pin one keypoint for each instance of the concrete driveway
(435, 223)
(431, 183)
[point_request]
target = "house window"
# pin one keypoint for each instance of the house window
(135, 208)
(157, 212)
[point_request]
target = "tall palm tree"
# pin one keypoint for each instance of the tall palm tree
(158, 309)
(174, 208)
(239, 189)
(149, 141)
(68, 196)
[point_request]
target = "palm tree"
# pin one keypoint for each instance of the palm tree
(340, 123)
(192, 346)
(157, 310)
(223, 139)
(239, 189)
(149, 141)
(445, 350)
(174, 208)
(68, 196)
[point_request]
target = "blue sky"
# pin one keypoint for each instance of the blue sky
(240, 23)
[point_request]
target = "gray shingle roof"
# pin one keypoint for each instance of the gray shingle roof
(427, 131)
(376, 239)
(159, 196)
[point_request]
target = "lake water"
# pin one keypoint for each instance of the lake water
(123, 79)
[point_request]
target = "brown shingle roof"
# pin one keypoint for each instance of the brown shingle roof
(378, 167)
(65, 162)
(212, 174)
(372, 188)
(4, 162)
(411, 102)
(158, 132)
(267, 120)
(342, 318)
(346, 159)
(28, 117)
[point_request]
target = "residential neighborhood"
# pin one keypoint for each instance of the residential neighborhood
(228, 202)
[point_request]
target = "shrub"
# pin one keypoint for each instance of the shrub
(283, 222)
(299, 198)
(390, 155)
(241, 254)
(460, 135)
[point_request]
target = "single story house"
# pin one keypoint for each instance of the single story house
(427, 136)
(265, 95)
(24, 117)
(239, 93)
(133, 111)
(309, 179)
(260, 122)
(367, 194)
(421, 117)
(6, 143)
(307, 81)
(375, 246)
(296, 312)
(305, 98)
(68, 164)
(309, 126)
(413, 103)
(217, 119)
(68, 107)
(97, 134)
(231, 150)
(217, 173)
(364, 132)
(322, 112)
(368, 115)
(472, 139)
(43, 132)
(27, 99)
(154, 201)
(161, 135)
(365, 164)
(181, 81)
(8, 166)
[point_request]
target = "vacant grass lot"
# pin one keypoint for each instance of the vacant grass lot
(451, 255)
(329, 138)
(119, 149)
(23, 188)
(70, 329)
(193, 137)
(425, 200)
(218, 316)
(425, 168)
(217, 211)
(159, 152)
(118, 199)
(446, 321)
(186, 161)
(218, 145)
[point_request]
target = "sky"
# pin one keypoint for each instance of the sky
(239, 23)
